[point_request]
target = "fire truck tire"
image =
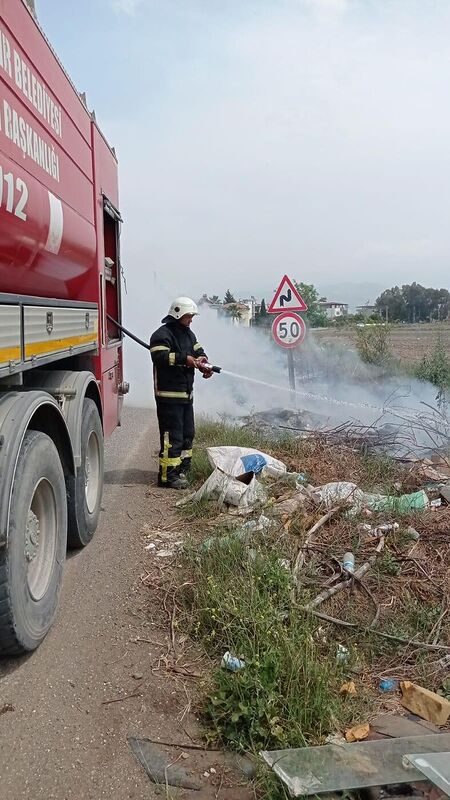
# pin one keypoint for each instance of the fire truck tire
(31, 565)
(86, 488)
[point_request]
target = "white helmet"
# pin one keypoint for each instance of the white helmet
(182, 306)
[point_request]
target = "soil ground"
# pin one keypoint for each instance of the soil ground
(60, 735)
(410, 343)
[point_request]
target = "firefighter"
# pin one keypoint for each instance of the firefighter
(176, 354)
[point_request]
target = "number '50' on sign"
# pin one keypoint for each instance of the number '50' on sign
(288, 329)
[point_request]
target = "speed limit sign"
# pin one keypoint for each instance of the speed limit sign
(288, 329)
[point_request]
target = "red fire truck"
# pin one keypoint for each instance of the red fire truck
(61, 384)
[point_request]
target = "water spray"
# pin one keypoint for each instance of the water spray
(321, 397)
(309, 395)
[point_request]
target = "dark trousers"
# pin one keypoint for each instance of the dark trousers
(176, 433)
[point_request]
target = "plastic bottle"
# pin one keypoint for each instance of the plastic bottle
(348, 562)
(342, 654)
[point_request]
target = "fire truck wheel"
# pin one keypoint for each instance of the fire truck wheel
(85, 490)
(31, 565)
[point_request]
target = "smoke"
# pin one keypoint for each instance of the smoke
(332, 382)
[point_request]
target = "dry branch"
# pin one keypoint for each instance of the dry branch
(364, 629)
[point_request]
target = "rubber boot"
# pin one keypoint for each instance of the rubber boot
(175, 480)
(185, 467)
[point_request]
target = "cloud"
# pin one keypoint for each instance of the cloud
(287, 140)
(328, 8)
(128, 7)
(400, 251)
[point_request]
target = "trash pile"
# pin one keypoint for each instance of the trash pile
(360, 562)
(234, 483)
(393, 753)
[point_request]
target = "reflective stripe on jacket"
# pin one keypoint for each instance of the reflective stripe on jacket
(170, 346)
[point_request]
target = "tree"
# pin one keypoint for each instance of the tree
(262, 317)
(415, 297)
(228, 297)
(315, 315)
(234, 312)
(414, 303)
(215, 298)
(391, 304)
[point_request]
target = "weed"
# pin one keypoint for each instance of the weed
(373, 345)
(388, 565)
(414, 618)
(287, 693)
(435, 368)
(378, 471)
(445, 689)
(200, 509)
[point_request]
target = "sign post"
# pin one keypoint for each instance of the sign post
(288, 328)
(291, 373)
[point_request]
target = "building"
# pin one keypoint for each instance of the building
(367, 310)
(332, 309)
(242, 312)
(251, 305)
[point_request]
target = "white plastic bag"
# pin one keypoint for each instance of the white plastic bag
(339, 492)
(236, 460)
(228, 490)
(346, 493)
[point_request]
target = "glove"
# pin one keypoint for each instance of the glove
(201, 365)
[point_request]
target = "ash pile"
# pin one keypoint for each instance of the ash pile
(399, 433)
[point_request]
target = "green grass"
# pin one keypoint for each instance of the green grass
(415, 618)
(378, 471)
(373, 345)
(435, 368)
(388, 565)
(287, 695)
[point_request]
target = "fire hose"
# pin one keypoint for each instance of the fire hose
(136, 339)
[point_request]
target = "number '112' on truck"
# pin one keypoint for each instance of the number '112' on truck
(61, 381)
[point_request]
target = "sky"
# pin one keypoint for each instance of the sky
(263, 137)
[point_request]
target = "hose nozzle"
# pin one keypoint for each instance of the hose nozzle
(217, 370)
